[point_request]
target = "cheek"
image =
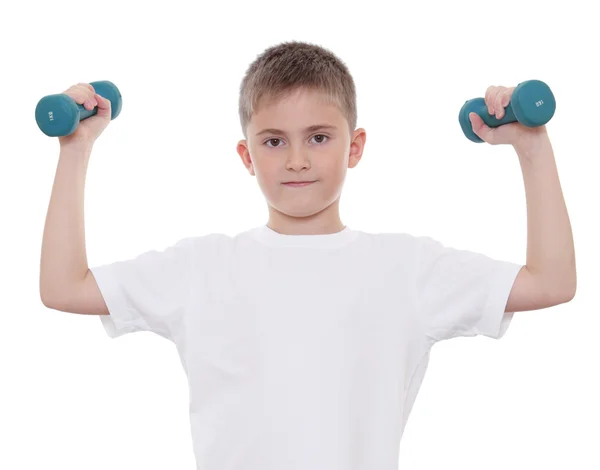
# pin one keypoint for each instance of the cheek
(263, 168)
(269, 178)
(334, 168)
(270, 174)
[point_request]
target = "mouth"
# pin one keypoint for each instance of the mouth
(298, 184)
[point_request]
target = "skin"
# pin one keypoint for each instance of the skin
(296, 155)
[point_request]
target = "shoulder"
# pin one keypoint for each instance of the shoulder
(394, 241)
(418, 252)
(206, 243)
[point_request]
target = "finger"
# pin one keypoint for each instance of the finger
(81, 94)
(480, 129)
(88, 86)
(507, 96)
(489, 98)
(87, 92)
(499, 104)
(484, 132)
(90, 102)
(82, 98)
(103, 103)
(504, 100)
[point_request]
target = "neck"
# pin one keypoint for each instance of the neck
(325, 222)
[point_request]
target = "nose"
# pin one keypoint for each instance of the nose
(296, 160)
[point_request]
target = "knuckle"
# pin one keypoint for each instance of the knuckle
(87, 86)
(75, 97)
(80, 93)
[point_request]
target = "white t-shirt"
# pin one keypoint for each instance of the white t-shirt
(305, 351)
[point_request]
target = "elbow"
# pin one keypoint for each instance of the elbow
(49, 301)
(561, 287)
(45, 300)
(571, 293)
(571, 290)
(566, 294)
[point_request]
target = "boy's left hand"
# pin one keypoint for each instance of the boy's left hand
(497, 99)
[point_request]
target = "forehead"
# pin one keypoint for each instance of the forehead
(299, 105)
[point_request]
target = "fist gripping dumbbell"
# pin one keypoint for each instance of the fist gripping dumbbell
(58, 115)
(532, 104)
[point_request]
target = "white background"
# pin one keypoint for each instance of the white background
(167, 168)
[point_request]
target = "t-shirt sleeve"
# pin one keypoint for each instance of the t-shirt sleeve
(462, 293)
(149, 292)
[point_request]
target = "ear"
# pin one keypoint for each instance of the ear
(244, 153)
(357, 146)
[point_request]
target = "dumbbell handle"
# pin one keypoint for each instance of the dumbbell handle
(86, 113)
(490, 119)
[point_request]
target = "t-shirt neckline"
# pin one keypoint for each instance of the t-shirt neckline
(268, 236)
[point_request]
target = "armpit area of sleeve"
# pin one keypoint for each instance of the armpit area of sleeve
(122, 318)
(494, 320)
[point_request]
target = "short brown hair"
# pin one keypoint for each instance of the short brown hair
(288, 66)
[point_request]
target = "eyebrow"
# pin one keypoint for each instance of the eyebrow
(316, 127)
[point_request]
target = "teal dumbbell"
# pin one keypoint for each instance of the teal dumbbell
(58, 115)
(532, 104)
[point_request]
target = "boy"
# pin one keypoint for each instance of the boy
(304, 341)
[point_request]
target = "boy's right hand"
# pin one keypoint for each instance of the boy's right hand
(88, 129)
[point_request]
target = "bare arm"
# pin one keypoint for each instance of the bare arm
(65, 280)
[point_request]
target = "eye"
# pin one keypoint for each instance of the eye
(270, 140)
(317, 135)
(321, 135)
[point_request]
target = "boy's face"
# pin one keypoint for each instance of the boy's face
(296, 154)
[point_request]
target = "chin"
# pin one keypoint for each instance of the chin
(299, 210)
